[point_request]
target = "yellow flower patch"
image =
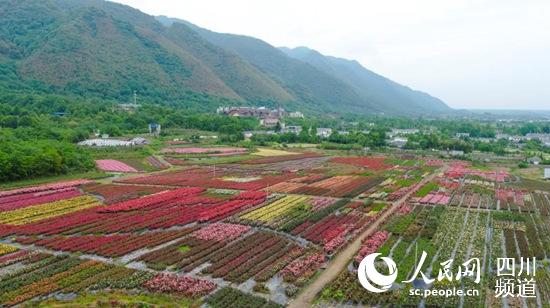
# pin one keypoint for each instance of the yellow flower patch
(272, 152)
(5, 249)
(275, 209)
(43, 211)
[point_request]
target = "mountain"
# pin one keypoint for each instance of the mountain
(304, 81)
(311, 76)
(108, 50)
(105, 50)
(395, 97)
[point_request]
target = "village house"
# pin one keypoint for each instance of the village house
(398, 142)
(535, 160)
(402, 131)
(295, 129)
(324, 132)
(269, 122)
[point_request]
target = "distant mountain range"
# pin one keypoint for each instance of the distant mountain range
(95, 48)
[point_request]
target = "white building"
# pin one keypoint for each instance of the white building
(154, 129)
(296, 114)
(269, 122)
(295, 129)
(324, 132)
(402, 131)
(106, 143)
(139, 141)
(399, 142)
(452, 153)
(547, 173)
(535, 160)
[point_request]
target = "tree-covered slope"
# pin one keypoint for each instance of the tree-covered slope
(303, 80)
(103, 49)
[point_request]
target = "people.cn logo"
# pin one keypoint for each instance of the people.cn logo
(371, 279)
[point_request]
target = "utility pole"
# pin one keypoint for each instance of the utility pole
(135, 97)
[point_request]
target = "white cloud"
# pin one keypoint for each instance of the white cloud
(484, 53)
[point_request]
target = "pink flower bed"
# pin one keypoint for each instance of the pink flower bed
(38, 198)
(459, 170)
(319, 203)
(187, 286)
(114, 166)
(53, 186)
(371, 244)
(220, 232)
(334, 244)
(438, 198)
(434, 163)
(404, 209)
(402, 191)
(515, 196)
(303, 265)
(225, 150)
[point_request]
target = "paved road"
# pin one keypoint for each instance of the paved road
(338, 263)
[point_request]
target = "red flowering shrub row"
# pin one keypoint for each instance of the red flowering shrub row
(459, 170)
(52, 186)
(38, 198)
(302, 266)
(207, 177)
(108, 246)
(245, 258)
(260, 255)
(335, 243)
(371, 244)
(136, 216)
(330, 227)
(375, 163)
(236, 204)
(151, 200)
(11, 258)
(184, 285)
(116, 193)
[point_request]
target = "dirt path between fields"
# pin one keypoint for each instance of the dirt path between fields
(338, 263)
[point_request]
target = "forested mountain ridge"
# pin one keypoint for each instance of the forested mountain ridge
(103, 49)
(100, 49)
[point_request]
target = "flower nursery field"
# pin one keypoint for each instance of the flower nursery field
(253, 234)
(455, 217)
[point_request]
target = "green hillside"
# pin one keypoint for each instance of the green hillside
(107, 50)
(100, 49)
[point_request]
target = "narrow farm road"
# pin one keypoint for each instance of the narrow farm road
(341, 260)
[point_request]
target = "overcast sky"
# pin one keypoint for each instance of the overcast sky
(471, 54)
